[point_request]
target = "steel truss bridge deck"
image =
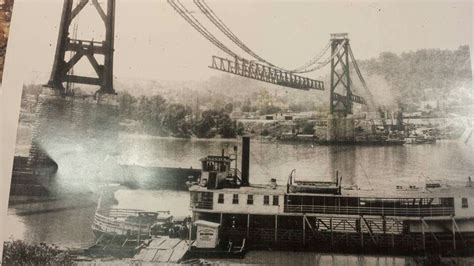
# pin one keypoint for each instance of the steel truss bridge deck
(354, 98)
(250, 69)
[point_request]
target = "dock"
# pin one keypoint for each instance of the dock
(164, 250)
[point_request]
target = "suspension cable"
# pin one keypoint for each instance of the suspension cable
(361, 78)
(325, 62)
(199, 27)
(224, 29)
(313, 61)
(202, 29)
(211, 15)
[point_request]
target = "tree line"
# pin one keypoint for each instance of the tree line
(163, 118)
(410, 74)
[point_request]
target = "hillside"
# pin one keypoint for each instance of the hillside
(405, 79)
(426, 74)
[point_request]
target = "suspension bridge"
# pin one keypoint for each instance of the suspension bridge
(337, 54)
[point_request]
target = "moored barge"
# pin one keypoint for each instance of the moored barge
(325, 216)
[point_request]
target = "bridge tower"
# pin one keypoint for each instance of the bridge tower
(340, 97)
(64, 118)
(61, 73)
(340, 120)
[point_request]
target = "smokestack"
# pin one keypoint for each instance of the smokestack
(245, 160)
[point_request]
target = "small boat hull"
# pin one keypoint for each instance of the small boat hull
(129, 223)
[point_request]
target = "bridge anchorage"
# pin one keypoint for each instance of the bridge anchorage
(62, 73)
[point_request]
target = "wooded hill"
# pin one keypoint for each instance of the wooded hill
(424, 74)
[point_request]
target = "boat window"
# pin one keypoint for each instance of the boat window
(222, 168)
(221, 198)
(250, 199)
(266, 200)
(275, 200)
(213, 166)
(464, 203)
(235, 199)
(447, 202)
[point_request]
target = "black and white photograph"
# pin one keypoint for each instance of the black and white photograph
(146, 132)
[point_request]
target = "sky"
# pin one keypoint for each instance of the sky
(153, 42)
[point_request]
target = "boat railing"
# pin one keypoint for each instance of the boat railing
(243, 246)
(236, 171)
(116, 219)
(262, 235)
(124, 213)
(354, 210)
(112, 223)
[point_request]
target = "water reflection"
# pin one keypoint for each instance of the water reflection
(65, 227)
(382, 166)
(305, 258)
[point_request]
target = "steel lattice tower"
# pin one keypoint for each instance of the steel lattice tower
(81, 48)
(341, 93)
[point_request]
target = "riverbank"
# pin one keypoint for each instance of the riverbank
(55, 254)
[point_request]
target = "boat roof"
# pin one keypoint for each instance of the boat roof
(252, 189)
(207, 223)
(442, 192)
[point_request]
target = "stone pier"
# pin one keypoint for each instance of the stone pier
(340, 127)
(65, 133)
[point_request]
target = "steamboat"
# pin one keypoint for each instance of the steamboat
(325, 216)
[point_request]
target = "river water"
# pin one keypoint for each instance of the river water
(82, 173)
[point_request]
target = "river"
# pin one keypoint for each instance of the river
(82, 174)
